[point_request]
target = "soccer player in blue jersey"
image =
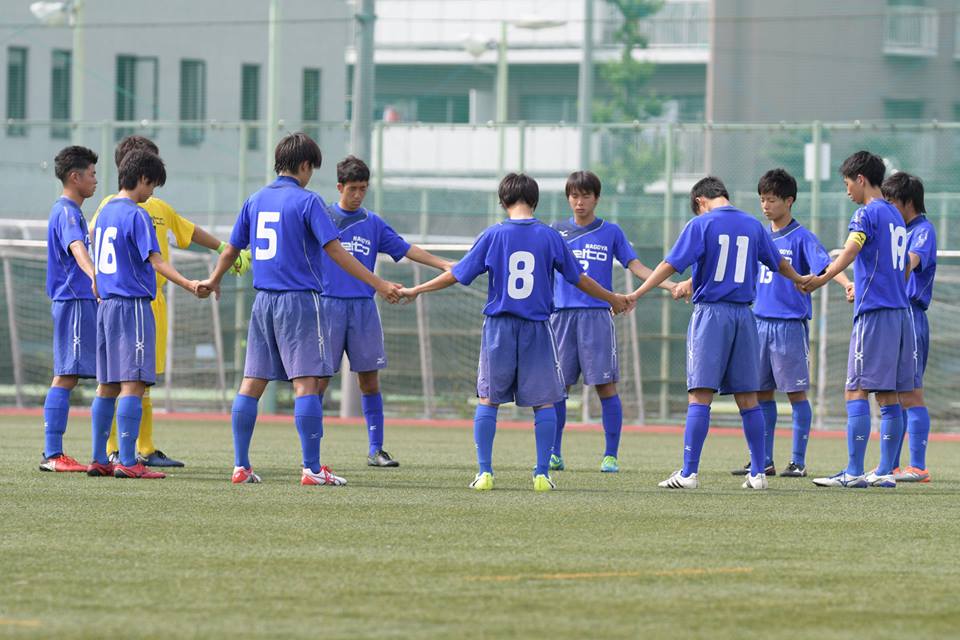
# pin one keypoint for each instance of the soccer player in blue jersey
(586, 336)
(288, 229)
(353, 322)
(905, 192)
(724, 245)
(127, 259)
(71, 289)
(882, 356)
(782, 314)
(518, 349)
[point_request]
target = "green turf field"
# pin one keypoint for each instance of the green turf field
(413, 553)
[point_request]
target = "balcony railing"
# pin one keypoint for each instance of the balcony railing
(911, 31)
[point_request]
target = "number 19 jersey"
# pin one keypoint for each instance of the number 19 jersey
(879, 269)
(286, 227)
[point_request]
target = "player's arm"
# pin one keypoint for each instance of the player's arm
(618, 302)
(79, 251)
(643, 272)
(786, 270)
(663, 271)
(227, 259)
(851, 248)
(912, 263)
(442, 281)
(165, 269)
(389, 291)
(206, 239)
(423, 256)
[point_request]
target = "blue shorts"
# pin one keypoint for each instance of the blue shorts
(883, 351)
(587, 342)
(353, 325)
(74, 338)
(287, 337)
(784, 355)
(126, 341)
(722, 348)
(921, 328)
(518, 362)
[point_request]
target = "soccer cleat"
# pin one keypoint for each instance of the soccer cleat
(381, 459)
(62, 463)
(679, 481)
(911, 474)
(158, 459)
(556, 463)
(842, 479)
(114, 457)
(242, 475)
(757, 482)
(884, 481)
(543, 482)
(770, 470)
(609, 465)
(323, 477)
(794, 470)
(136, 471)
(97, 470)
(483, 481)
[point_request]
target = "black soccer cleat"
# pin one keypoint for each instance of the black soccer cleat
(381, 459)
(158, 459)
(745, 469)
(794, 470)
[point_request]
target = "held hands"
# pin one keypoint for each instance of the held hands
(683, 290)
(408, 294)
(849, 290)
(206, 287)
(810, 283)
(622, 304)
(389, 291)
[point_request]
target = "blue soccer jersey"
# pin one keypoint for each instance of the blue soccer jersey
(595, 246)
(922, 241)
(520, 256)
(364, 234)
(123, 239)
(878, 270)
(778, 297)
(65, 279)
(724, 247)
(286, 227)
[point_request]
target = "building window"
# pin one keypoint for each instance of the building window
(60, 92)
(136, 91)
(534, 108)
(193, 101)
(16, 90)
(423, 108)
(311, 102)
(903, 109)
(250, 102)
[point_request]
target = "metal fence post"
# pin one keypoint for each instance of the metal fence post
(218, 342)
(426, 350)
(637, 368)
(665, 309)
(14, 337)
(106, 164)
(171, 321)
(378, 169)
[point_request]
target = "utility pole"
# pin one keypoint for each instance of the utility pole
(585, 87)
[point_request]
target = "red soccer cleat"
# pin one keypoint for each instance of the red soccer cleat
(97, 470)
(242, 475)
(62, 463)
(323, 477)
(136, 471)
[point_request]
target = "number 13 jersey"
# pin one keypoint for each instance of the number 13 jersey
(878, 271)
(778, 297)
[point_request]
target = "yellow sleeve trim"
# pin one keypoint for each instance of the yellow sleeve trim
(859, 237)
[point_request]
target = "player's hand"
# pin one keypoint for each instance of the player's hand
(849, 290)
(93, 287)
(449, 265)
(242, 264)
(683, 290)
(389, 291)
(210, 287)
(620, 304)
(408, 295)
(806, 284)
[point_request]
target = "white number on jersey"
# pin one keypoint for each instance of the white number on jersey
(105, 260)
(585, 264)
(520, 278)
(766, 276)
(898, 246)
(740, 270)
(266, 233)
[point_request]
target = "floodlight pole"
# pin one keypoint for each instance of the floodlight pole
(503, 71)
(585, 86)
(77, 64)
(271, 116)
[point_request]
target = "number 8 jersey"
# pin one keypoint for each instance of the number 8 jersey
(724, 246)
(879, 269)
(123, 239)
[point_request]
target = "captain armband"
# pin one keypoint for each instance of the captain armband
(859, 237)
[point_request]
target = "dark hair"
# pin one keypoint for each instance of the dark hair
(866, 164)
(140, 163)
(904, 187)
(352, 169)
(132, 143)
(72, 159)
(293, 151)
(779, 183)
(584, 182)
(518, 187)
(709, 187)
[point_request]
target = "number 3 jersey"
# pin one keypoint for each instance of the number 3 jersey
(778, 297)
(520, 257)
(594, 246)
(724, 247)
(286, 227)
(879, 269)
(123, 239)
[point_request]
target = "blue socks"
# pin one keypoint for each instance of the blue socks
(129, 413)
(56, 407)
(754, 432)
(891, 437)
(769, 409)
(858, 435)
(544, 432)
(244, 417)
(308, 416)
(373, 412)
(561, 409)
(918, 425)
(612, 424)
(102, 414)
(903, 434)
(484, 429)
(694, 435)
(802, 418)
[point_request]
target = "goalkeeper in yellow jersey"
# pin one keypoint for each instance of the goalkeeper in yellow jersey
(166, 221)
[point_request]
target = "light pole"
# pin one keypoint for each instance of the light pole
(58, 14)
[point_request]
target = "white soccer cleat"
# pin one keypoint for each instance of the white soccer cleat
(324, 477)
(679, 481)
(842, 479)
(886, 481)
(757, 482)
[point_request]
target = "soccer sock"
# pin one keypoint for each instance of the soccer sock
(694, 435)
(544, 432)
(802, 418)
(754, 430)
(858, 435)
(308, 416)
(484, 429)
(769, 409)
(101, 413)
(561, 409)
(244, 418)
(56, 407)
(891, 436)
(145, 444)
(918, 423)
(129, 412)
(903, 436)
(373, 411)
(612, 411)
